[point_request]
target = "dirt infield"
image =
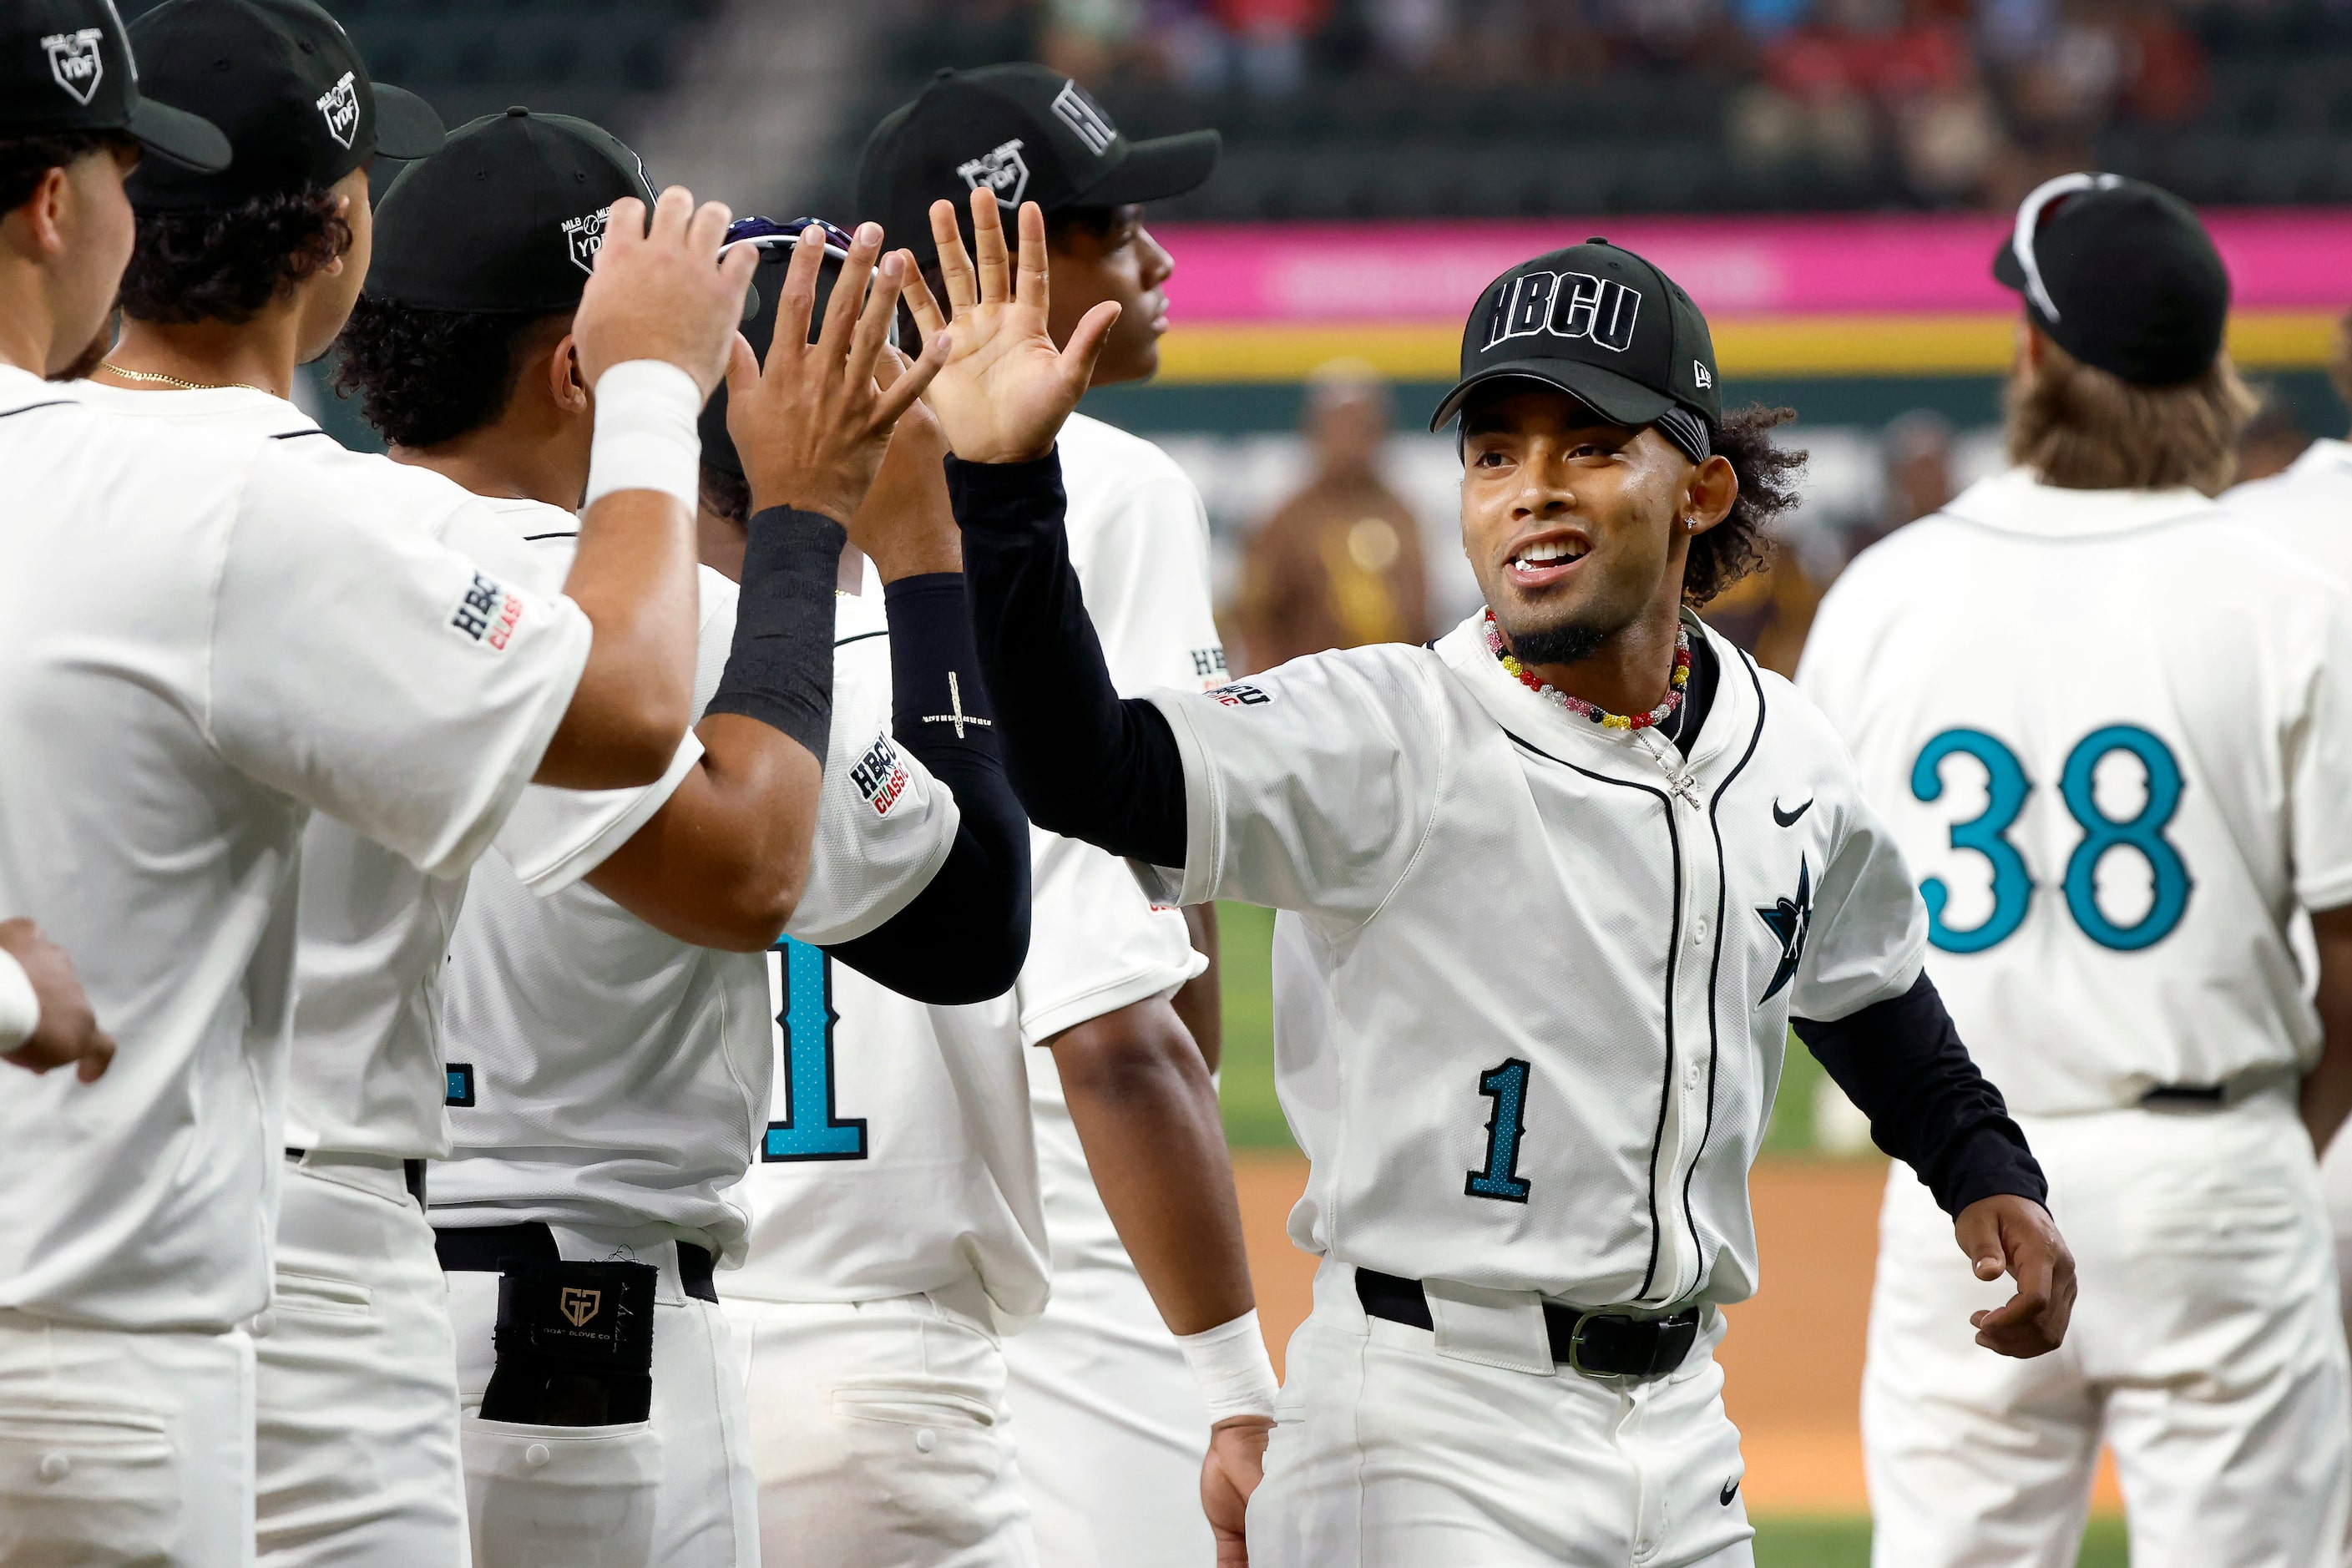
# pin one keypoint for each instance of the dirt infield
(1792, 1363)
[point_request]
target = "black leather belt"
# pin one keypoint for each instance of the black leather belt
(2186, 1094)
(412, 1176)
(488, 1249)
(1599, 1344)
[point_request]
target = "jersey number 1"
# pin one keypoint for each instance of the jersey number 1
(810, 1130)
(1506, 1086)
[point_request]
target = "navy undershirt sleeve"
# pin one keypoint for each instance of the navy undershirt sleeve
(1902, 1063)
(1084, 763)
(964, 937)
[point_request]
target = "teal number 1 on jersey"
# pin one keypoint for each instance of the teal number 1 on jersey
(2006, 788)
(811, 1130)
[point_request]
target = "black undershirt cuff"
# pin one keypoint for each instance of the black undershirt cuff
(779, 669)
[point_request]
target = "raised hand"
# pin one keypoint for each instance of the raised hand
(664, 293)
(907, 525)
(812, 424)
(1005, 390)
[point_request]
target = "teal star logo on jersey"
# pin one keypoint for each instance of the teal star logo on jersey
(1790, 920)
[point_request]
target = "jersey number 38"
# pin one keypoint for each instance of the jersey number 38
(2006, 789)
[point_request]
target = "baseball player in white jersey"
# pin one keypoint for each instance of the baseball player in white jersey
(211, 639)
(46, 1020)
(583, 1188)
(1105, 1413)
(1553, 890)
(2108, 726)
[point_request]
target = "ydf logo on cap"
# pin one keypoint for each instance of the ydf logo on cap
(341, 105)
(586, 235)
(1000, 169)
(75, 62)
(1569, 305)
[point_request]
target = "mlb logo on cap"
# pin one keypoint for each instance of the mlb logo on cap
(75, 62)
(586, 235)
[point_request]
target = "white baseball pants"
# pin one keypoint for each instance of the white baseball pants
(879, 1437)
(125, 1448)
(357, 1386)
(1387, 1454)
(2207, 1349)
(1110, 1427)
(673, 1491)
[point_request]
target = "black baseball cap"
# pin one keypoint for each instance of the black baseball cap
(283, 80)
(775, 243)
(1601, 324)
(65, 66)
(1025, 132)
(507, 217)
(2121, 275)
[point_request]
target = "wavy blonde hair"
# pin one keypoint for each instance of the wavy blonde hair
(2083, 428)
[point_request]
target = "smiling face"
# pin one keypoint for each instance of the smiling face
(1121, 262)
(1575, 528)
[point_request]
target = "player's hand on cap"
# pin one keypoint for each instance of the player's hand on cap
(907, 525)
(812, 422)
(1235, 1465)
(67, 1034)
(1006, 390)
(664, 292)
(2015, 1235)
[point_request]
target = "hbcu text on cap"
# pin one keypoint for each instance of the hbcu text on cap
(1567, 305)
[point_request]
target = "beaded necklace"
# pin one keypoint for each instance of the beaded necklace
(1578, 705)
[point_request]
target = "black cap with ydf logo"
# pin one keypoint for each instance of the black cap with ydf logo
(65, 66)
(1024, 132)
(283, 80)
(1601, 324)
(507, 217)
(2121, 275)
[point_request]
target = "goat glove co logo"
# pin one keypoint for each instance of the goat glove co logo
(75, 62)
(1567, 305)
(580, 1305)
(585, 237)
(341, 105)
(1000, 169)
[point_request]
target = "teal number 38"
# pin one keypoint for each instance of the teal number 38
(2006, 789)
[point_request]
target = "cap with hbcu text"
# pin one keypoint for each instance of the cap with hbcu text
(2121, 275)
(1024, 131)
(1600, 324)
(507, 217)
(283, 80)
(65, 66)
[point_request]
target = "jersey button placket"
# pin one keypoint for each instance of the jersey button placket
(1679, 1256)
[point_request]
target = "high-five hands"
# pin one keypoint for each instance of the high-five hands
(664, 293)
(1005, 390)
(812, 424)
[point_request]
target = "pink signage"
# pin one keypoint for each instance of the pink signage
(2286, 259)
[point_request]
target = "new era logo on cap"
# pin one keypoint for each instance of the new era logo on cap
(1565, 305)
(75, 62)
(1000, 169)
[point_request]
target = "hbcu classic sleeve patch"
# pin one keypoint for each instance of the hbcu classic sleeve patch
(486, 614)
(881, 776)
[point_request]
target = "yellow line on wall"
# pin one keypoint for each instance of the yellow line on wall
(1800, 346)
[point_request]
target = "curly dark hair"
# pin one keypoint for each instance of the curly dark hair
(224, 264)
(1743, 542)
(25, 160)
(725, 494)
(423, 376)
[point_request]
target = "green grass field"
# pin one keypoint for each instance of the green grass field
(1792, 1542)
(1254, 1116)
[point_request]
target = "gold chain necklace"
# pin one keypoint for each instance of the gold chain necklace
(160, 379)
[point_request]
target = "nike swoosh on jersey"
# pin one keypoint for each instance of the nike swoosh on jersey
(1788, 818)
(1731, 1488)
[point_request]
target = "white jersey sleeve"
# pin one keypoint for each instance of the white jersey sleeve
(1140, 544)
(418, 728)
(1868, 937)
(884, 825)
(2319, 761)
(1095, 943)
(1312, 786)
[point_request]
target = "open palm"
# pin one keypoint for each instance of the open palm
(1005, 390)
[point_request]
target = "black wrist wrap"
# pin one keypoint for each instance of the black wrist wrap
(575, 1344)
(780, 670)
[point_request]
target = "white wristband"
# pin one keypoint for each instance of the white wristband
(1232, 1368)
(645, 437)
(20, 1010)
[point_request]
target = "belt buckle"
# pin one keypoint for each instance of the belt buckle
(1576, 1348)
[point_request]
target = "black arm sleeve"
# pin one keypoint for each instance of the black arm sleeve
(779, 669)
(965, 936)
(1084, 763)
(1903, 1065)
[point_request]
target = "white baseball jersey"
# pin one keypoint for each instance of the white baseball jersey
(602, 1072)
(2306, 505)
(206, 641)
(1533, 977)
(365, 1070)
(2110, 730)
